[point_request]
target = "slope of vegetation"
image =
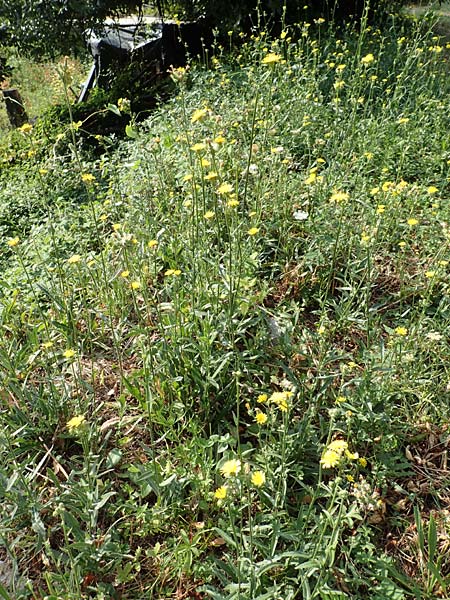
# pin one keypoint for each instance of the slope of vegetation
(224, 360)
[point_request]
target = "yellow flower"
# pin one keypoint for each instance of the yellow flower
(208, 214)
(26, 128)
(412, 221)
(152, 244)
(124, 105)
(362, 461)
(198, 147)
(225, 188)
(210, 176)
(75, 423)
(401, 331)
(271, 59)
(339, 197)
(13, 242)
(258, 478)
(311, 178)
(262, 398)
(117, 226)
(125, 274)
(340, 399)
(330, 459)
(69, 353)
(253, 231)
(380, 209)
(75, 258)
(366, 60)
(230, 468)
(374, 191)
(432, 189)
(233, 203)
(430, 274)
(387, 185)
(281, 400)
(47, 345)
(43, 171)
(174, 272)
(221, 493)
(87, 177)
(199, 114)
(351, 455)
(135, 285)
(261, 418)
(338, 446)
(402, 120)
(219, 139)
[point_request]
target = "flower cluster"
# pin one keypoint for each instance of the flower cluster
(335, 453)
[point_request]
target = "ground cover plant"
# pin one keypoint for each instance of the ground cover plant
(224, 342)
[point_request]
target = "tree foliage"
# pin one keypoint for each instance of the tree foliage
(49, 27)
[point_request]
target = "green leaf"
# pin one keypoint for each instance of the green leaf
(131, 133)
(113, 108)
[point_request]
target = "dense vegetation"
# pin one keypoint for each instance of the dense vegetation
(224, 360)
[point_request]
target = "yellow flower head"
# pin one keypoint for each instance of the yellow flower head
(69, 353)
(210, 176)
(261, 418)
(87, 177)
(401, 331)
(135, 285)
(262, 398)
(208, 215)
(271, 58)
(338, 446)
(281, 400)
(198, 147)
(75, 258)
(75, 423)
(253, 231)
(258, 478)
(221, 493)
(26, 128)
(330, 459)
(230, 468)
(339, 197)
(432, 189)
(199, 114)
(152, 244)
(367, 59)
(13, 242)
(124, 105)
(412, 222)
(225, 188)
